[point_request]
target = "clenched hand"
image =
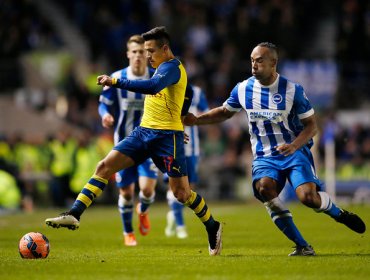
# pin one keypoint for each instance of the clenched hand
(104, 80)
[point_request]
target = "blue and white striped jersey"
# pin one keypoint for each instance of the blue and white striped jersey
(198, 105)
(274, 112)
(125, 106)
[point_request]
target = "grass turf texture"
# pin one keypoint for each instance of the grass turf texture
(253, 247)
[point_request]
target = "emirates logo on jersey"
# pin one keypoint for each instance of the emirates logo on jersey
(277, 98)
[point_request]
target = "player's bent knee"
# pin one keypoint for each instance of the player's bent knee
(103, 170)
(308, 199)
(265, 193)
(181, 195)
(266, 189)
(147, 192)
(127, 196)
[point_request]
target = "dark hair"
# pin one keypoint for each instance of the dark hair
(272, 47)
(159, 34)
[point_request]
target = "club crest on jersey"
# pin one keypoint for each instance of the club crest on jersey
(277, 98)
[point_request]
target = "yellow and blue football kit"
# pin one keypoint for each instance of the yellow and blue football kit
(160, 135)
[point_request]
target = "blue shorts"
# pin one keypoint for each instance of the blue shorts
(192, 164)
(297, 168)
(126, 177)
(164, 147)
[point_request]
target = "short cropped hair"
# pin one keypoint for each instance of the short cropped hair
(135, 39)
(272, 47)
(159, 34)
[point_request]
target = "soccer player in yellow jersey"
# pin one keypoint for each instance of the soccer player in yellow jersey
(160, 136)
(122, 109)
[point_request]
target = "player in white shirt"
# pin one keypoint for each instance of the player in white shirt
(281, 124)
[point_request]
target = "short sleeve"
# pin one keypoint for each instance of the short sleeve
(232, 103)
(301, 103)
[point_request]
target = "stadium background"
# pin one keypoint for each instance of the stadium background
(52, 51)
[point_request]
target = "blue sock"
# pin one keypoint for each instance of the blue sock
(282, 218)
(287, 226)
(177, 209)
(126, 208)
(145, 201)
(327, 206)
(334, 211)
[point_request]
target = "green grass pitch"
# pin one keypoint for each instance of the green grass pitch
(253, 247)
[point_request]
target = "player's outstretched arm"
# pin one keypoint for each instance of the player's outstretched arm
(189, 119)
(216, 115)
(166, 74)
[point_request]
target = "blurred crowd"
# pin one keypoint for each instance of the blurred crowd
(352, 148)
(215, 39)
(22, 29)
(49, 172)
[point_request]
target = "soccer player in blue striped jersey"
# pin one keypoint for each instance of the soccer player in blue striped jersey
(175, 217)
(159, 136)
(281, 124)
(123, 109)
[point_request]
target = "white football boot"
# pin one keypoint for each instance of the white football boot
(63, 220)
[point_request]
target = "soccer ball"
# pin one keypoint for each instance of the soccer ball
(34, 245)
